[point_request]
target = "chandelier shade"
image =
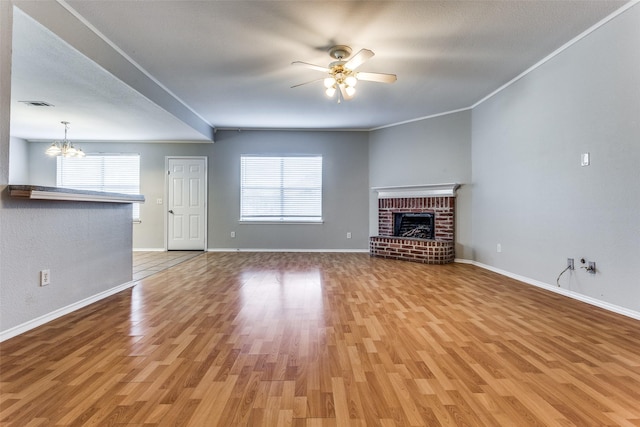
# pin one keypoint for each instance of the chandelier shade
(64, 148)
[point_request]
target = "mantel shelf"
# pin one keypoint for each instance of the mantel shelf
(424, 190)
(37, 192)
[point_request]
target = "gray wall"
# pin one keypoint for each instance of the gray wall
(345, 194)
(345, 198)
(84, 245)
(6, 28)
(19, 161)
(530, 193)
(430, 151)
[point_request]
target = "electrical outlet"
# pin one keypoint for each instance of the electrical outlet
(570, 264)
(592, 267)
(498, 248)
(348, 234)
(45, 277)
(233, 234)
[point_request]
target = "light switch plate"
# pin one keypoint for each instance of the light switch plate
(585, 159)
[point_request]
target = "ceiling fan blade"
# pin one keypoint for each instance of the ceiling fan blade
(306, 83)
(358, 59)
(312, 66)
(377, 77)
(343, 92)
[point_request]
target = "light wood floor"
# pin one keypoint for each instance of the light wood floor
(325, 340)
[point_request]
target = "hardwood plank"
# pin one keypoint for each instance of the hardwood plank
(275, 339)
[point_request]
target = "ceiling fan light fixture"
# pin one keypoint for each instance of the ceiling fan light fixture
(341, 74)
(350, 90)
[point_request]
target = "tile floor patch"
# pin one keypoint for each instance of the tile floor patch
(147, 263)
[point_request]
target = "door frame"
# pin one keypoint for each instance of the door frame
(166, 198)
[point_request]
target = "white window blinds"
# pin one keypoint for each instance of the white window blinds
(116, 173)
(281, 188)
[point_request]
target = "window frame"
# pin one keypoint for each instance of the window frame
(282, 218)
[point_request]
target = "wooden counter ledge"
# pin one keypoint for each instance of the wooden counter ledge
(55, 193)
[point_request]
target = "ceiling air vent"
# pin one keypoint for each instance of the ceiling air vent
(37, 103)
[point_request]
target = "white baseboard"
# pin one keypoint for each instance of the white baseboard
(148, 250)
(289, 250)
(571, 294)
(31, 324)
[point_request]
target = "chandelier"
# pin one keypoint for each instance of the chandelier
(65, 147)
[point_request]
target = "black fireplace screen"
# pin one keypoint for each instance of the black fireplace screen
(416, 225)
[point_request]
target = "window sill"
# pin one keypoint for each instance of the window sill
(272, 222)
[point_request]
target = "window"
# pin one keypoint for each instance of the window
(116, 173)
(281, 188)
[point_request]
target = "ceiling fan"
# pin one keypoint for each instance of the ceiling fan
(342, 75)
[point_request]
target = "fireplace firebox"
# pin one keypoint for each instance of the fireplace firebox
(414, 225)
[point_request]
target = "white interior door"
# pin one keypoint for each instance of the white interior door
(186, 203)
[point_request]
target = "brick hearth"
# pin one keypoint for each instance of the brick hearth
(441, 250)
(417, 250)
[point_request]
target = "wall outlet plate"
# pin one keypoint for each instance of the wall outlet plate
(592, 267)
(45, 277)
(570, 264)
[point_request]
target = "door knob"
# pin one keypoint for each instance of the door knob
(170, 211)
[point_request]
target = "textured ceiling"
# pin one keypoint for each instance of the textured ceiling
(227, 64)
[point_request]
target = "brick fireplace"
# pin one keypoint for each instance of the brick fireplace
(438, 200)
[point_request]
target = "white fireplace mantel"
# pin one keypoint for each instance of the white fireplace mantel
(425, 190)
